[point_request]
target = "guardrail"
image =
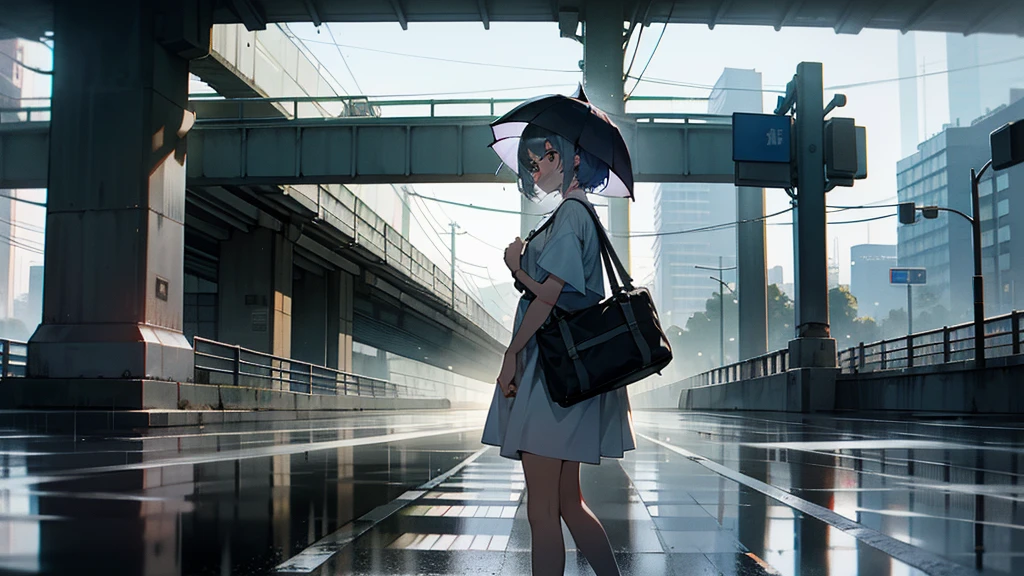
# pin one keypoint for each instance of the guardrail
(947, 344)
(13, 359)
(764, 365)
(227, 365)
(312, 107)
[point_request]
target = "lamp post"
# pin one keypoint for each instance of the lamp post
(978, 282)
(721, 306)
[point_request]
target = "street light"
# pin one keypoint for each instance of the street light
(721, 306)
(1007, 147)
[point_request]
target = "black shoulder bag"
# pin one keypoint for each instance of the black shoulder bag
(606, 346)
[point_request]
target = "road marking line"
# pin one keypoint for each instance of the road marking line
(320, 552)
(915, 557)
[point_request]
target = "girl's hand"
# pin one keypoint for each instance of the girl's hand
(507, 374)
(513, 254)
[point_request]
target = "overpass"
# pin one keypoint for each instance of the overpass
(232, 149)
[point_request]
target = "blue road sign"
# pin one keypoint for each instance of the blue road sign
(908, 276)
(761, 138)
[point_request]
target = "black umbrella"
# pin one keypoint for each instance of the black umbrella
(576, 120)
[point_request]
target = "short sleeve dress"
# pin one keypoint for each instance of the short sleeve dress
(530, 422)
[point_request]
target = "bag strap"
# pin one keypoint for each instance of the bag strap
(612, 263)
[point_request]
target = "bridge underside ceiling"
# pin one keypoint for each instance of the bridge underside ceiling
(32, 19)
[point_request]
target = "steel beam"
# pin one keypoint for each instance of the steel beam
(351, 150)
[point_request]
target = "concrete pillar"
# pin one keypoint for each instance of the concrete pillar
(340, 298)
(751, 273)
(603, 52)
(309, 317)
(112, 305)
(255, 297)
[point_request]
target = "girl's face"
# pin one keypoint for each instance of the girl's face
(546, 169)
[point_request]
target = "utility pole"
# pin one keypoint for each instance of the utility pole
(721, 306)
(453, 226)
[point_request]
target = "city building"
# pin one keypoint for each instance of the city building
(775, 275)
(977, 85)
(869, 280)
(939, 174)
(1002, 218)
(680, 289)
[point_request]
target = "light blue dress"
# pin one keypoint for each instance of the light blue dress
(530, 422)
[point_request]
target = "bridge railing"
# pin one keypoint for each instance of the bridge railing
(228, 365)
(764, 365)
(939, 346)
(375, 107)
(217, 108)
(13, 359)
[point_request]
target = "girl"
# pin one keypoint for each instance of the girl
(561, 267)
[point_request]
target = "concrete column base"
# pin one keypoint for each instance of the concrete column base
(125, 351)
(811, 389)
(813, 353)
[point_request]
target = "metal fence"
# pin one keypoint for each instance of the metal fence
(947, 344)
(14, 359)
(218, 108)
(764, 365)
(227, 365)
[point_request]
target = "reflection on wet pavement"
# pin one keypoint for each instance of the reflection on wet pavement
(368, 494)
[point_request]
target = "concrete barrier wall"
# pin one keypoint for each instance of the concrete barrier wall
(25, 393)
(766, 393)
(955, 387)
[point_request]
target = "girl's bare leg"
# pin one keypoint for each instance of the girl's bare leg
(585, 528)
(547, 545)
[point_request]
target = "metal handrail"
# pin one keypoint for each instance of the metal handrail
(229, 365)
(928, 348)
(939, 346)
(370, 107)
(13, 359)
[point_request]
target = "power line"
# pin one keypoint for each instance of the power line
(32, 202)
(340, 87)
(711, 228)
(439, 59)
(923, 74)
(861, 220)
(653, 52)
(26, 66)
(681, 84)
(484, 242)
(458, 270)
(343, 61)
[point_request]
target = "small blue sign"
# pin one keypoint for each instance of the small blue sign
(761, 138)
(908, 276)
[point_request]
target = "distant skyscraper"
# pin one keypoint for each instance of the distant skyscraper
(907, 65)
(975, 85)
(775, 275)
(681, 289)
(869, 280)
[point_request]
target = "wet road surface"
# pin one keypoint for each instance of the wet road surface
(414, 492)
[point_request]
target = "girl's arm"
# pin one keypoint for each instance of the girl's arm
(538, 310)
